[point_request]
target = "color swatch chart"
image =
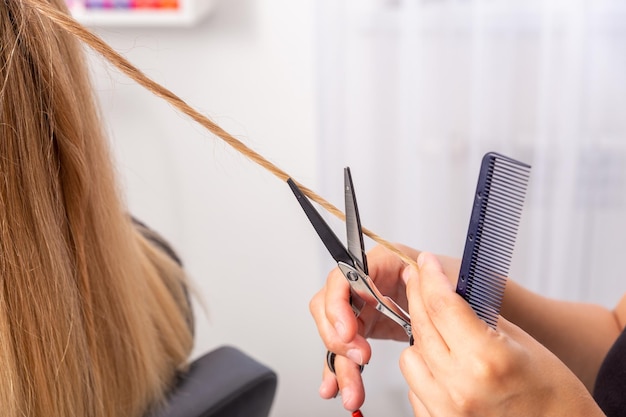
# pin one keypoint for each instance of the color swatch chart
(124, 4)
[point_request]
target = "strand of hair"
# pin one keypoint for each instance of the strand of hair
(72, 26)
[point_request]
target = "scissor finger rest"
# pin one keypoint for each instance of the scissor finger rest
(330, 361)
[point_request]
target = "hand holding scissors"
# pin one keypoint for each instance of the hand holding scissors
(352, 262)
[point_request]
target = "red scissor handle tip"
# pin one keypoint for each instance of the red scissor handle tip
(357, 413)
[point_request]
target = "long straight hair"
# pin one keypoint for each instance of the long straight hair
(93, 318)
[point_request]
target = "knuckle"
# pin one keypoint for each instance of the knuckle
(464, 401)
(485, 373)
(437, 304)
(406, 358)
(484, 370)
(418, 326)
(491, 370)
(334, 345)
(314, 303)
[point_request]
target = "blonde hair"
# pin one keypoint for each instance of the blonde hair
(92, 317)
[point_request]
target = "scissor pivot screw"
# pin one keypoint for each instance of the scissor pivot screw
(352, 276)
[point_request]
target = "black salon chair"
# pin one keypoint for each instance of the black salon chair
(223, 383)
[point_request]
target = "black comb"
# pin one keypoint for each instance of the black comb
(490, 240)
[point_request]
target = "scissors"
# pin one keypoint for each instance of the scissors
(352, 261)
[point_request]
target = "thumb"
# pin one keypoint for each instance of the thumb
(425, 261)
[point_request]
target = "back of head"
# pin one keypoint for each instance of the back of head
(91, 322)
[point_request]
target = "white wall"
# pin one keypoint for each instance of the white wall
(243, 238)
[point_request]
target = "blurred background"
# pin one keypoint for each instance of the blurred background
(410, 95)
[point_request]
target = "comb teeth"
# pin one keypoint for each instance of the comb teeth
(491, 234)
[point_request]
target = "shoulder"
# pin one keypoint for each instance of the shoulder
(620, 312)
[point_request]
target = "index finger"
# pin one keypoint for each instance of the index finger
(450, 313)
(336, 322)
(338, 306)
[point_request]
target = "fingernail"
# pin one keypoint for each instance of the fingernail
(406, 274)
(341, 329)
(421, 259)
(355, 356)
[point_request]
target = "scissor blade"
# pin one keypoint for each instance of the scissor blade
(353, 223)
(330, 240)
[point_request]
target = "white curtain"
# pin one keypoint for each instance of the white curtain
(413, 93)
